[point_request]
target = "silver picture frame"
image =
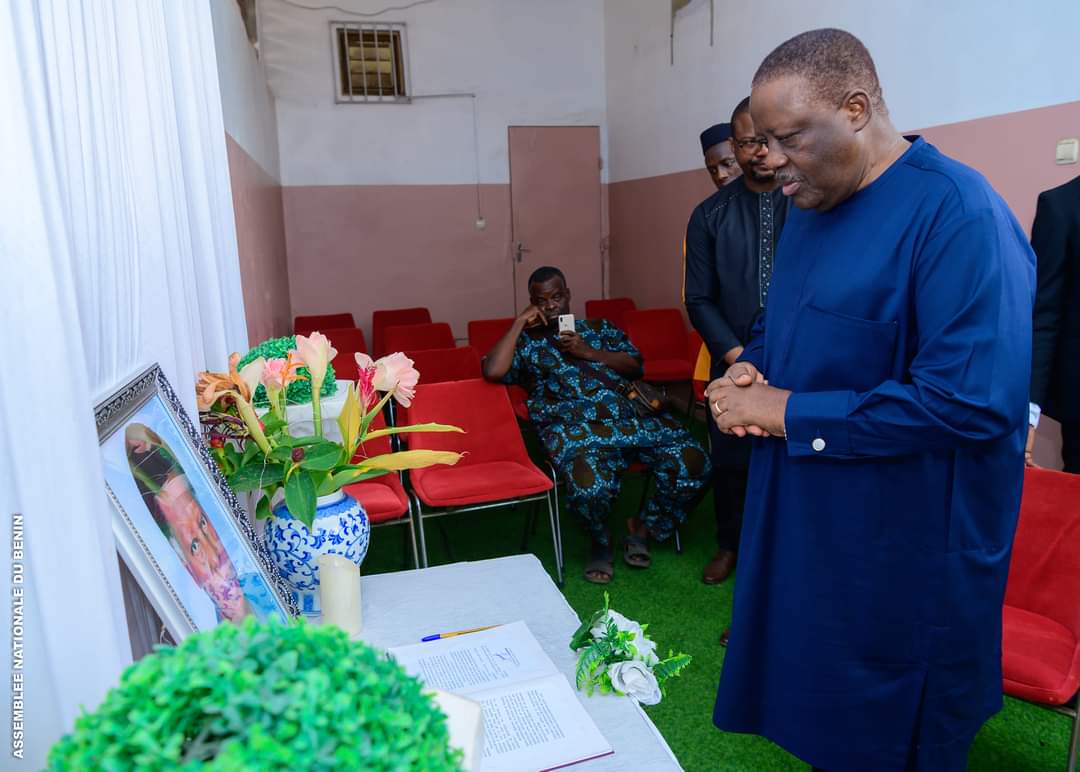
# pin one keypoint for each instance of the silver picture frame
(175, 594)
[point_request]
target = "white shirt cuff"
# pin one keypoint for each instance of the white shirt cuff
(1034, 411)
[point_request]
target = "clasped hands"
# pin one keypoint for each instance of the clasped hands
(743, 403)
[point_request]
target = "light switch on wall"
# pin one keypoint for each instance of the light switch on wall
(1067, 151)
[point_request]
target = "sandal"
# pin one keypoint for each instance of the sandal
(601, 565)
(636, 552)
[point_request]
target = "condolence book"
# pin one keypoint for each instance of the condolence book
(533, 720)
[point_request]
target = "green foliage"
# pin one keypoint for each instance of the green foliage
(298, 392)
(591, 664)
(583, 635)
(300, 496)
(262, 696)
(622, 640)
(255, 476)
(670, 667)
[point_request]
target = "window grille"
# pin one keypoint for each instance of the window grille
(370, 62)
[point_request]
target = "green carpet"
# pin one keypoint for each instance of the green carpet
(685, 615)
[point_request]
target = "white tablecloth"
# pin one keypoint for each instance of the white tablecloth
(400, 608)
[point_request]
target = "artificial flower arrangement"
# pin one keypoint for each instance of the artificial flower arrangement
(262, 454)
(298, 392)
(616, 656)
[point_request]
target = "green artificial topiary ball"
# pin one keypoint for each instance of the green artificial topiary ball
(298, 392)
(264, 696)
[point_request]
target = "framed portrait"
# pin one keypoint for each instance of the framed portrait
(179, 528)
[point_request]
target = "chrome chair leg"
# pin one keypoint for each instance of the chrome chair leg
(1074, 741)
(556, 541)
(420, 530)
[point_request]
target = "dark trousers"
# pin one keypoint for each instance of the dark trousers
(730, 457)
(1070, 447)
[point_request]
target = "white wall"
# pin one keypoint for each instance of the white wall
(530, 63)
(939, 62)
(246, 102)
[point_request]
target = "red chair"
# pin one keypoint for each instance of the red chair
(496, 469)
(1041, 620)
(519, 401)
(347, 341)
(384, 498)
(414, 337)
(613, 309)
(660, 335)
(380, 320)
(305, 325)
(439, 365)
(485, 333)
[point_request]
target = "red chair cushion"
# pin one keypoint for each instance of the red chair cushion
(667, 370)
(347, 340)
(303, 325)
(449, 486)
(485, 333)
(693, 345)
(437, 365)
(519, 401)
(383, 498)
(345, 368)
(416, 337)
(612, 309)
(1040, 658)
(380, 320)
(660, 335)
(495, 465)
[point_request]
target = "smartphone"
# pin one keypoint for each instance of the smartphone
(566, 323)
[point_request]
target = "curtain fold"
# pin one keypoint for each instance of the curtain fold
(117, 249)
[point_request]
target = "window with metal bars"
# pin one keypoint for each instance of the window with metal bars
(371, 62)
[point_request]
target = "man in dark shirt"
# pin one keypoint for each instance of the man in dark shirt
(730, 242)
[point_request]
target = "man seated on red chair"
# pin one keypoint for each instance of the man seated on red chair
(577, 383)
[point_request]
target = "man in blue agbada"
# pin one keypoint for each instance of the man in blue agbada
(886, 391)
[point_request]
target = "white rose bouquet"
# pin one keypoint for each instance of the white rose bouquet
(616, 656)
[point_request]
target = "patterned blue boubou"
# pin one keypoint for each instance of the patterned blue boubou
(341, 527)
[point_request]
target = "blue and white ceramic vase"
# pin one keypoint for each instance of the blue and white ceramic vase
(341, 527)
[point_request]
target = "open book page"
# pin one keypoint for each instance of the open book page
(533, 720)
(507, 654)
(537, 726)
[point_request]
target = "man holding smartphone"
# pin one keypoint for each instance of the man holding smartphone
(577, 378)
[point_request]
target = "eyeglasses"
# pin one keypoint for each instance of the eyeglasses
(743, 144)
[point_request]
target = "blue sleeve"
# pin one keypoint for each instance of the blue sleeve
(972, 290)
(513, 375)
(615, 340)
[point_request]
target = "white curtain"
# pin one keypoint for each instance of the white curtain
(117, 249)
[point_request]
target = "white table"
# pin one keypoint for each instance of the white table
(400, 608)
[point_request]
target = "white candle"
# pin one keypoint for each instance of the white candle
(339, 591)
